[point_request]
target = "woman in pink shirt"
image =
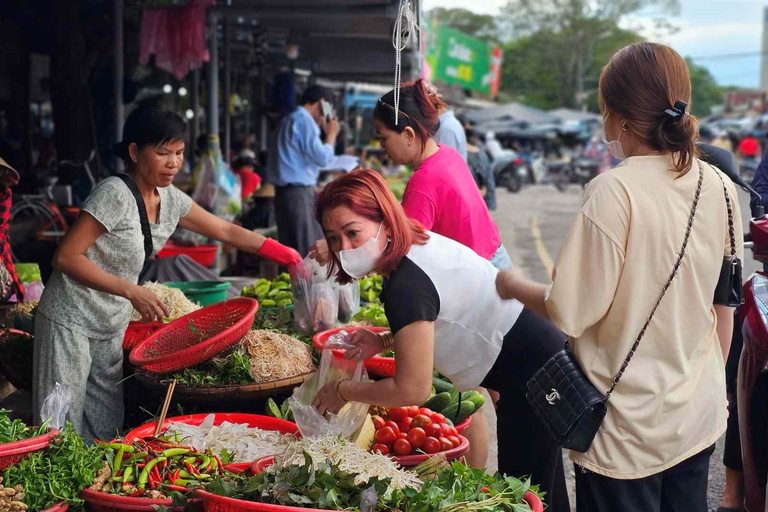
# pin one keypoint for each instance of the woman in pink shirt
(442, 193)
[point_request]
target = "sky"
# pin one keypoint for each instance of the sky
(708, 28)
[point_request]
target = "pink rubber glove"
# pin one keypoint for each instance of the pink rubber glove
(279, 253)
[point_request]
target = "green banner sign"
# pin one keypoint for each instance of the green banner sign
(458, 59)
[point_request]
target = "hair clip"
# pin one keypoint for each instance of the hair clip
(678, 111)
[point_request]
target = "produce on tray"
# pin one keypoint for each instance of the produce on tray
(370, 288)
(174, 299)
(271, 294)
(276, 356)
(154, 468)
(371, 315)
(455, 406)
(57, 474)
(16, 430)
(413, 430)
(241, 442)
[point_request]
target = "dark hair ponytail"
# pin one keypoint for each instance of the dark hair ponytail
(421, 105)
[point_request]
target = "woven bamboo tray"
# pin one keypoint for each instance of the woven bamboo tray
(207, 394)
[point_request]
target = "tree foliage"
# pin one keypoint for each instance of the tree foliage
(705, 91)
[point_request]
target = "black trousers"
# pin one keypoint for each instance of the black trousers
(525, 445)
(295, 216)
(732, 452)
(681, 488)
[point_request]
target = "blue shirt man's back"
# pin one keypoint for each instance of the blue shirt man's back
(451, 133)
(296, 153)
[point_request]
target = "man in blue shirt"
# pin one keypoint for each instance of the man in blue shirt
(451, 133)
(296, 155)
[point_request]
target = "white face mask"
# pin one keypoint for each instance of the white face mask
(614, 146)
(359, 262)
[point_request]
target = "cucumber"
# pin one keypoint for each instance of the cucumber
(438, 402)
(459, 412)
(441, 385)
(261, 282)
(269, 303)
(273, 293)
(284, 295)
(474, 397)
(280, 285)
(454, 395)
(284, 303)
(273, 410)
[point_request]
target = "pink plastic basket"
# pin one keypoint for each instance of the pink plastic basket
(377, 366)
(138, 332)
(196, 337)
(104, 502)
(12, 453)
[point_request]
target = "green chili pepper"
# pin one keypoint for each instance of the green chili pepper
(190, 460)
(145, 472)
(188, 475)
(118, 459)
(173, 452)
(127, 448)
(206, 461)
(177, 437)
(141, 455)
(128, 475)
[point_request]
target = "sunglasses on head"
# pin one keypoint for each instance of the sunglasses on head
(400, 112)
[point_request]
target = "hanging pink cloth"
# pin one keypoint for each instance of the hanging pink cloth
(176, 36)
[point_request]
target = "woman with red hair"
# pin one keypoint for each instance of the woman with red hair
(444, 312)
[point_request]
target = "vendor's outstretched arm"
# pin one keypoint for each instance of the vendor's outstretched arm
(211, 226)
(511, 284)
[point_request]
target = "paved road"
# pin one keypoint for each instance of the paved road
(533, 225)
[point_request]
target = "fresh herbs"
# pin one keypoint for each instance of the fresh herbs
(57, 474)
(220, 371)
(372, 314)
(323, 486)
(16, 430)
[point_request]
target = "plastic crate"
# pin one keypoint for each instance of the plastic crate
(12, 453)
(196, 337)
(204, 293)
(376, 366)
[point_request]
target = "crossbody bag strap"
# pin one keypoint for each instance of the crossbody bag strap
(729, 206)
(664, 290)
(143, 217)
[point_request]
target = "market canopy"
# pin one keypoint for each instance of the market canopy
(342, 40)
(510, 112)
(569, 114)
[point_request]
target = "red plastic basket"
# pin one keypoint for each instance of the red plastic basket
(377, 366)
(104, 502)
(204, 254)
(59, 507)
(12, 453)
(461, 427)
(452, 454)
(138, 332)
(196, 337)
(252, 420)
(215, 503)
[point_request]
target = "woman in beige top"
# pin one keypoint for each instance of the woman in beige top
(652, 451)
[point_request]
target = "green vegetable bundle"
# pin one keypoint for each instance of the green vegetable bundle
(283, 412)
(372, 314)
(450, 403)
(57, 474)
(271, 294)
(370, 288)
(16, 430)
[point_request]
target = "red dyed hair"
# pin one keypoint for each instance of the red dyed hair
(421, 105)
(366, 193)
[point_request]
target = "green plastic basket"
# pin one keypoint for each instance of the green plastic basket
(203, 292)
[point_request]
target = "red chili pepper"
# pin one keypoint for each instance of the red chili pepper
(172, 445)
(176, 488)
(176, 474)
(152, 484)
(485, 489)
(156, 474)
(189, 467)
(218, 461)
(138, 492)
(141, 464)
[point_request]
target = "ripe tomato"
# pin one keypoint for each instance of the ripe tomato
(385, 435)
(445, 430)
(425, 411)
(378, 422)
(405, 425)
(421, 421)
(445, 444)
(455, 441)
(402, 435)
(431, 445)
(416, 437)
(391, 424)
(380, 448)
(413, 410)
(436, 417)
(402, 447)
(454, 432)
(397, 413)
(433, 430)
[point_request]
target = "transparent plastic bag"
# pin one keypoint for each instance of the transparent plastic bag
(56, 405)
(349, 300)
(349, 419)
(315, 299)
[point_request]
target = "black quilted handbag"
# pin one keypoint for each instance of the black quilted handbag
(565, 400)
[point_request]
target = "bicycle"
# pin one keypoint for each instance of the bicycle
(36, 219)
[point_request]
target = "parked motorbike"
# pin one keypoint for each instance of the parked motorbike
(578, 172)
(752, 382)
(510, 172)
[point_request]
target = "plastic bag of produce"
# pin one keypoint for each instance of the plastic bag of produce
(315, 298)
(351, 416)
(349, 300)
(56, 405)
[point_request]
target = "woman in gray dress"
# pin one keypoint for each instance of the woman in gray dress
(87, 303)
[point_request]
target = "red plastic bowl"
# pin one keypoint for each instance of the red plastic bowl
(12, 453)
(104, 502)
(414, 460)
(138, 332)
(252, 420)
(215, 503)
(377, 366)
(204, 254)
(59, 507)
(178, 345)
(461, 427)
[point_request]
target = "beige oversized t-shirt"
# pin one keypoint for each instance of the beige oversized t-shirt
(670, 403)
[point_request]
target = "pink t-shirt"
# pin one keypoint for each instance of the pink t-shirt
(444, 197)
